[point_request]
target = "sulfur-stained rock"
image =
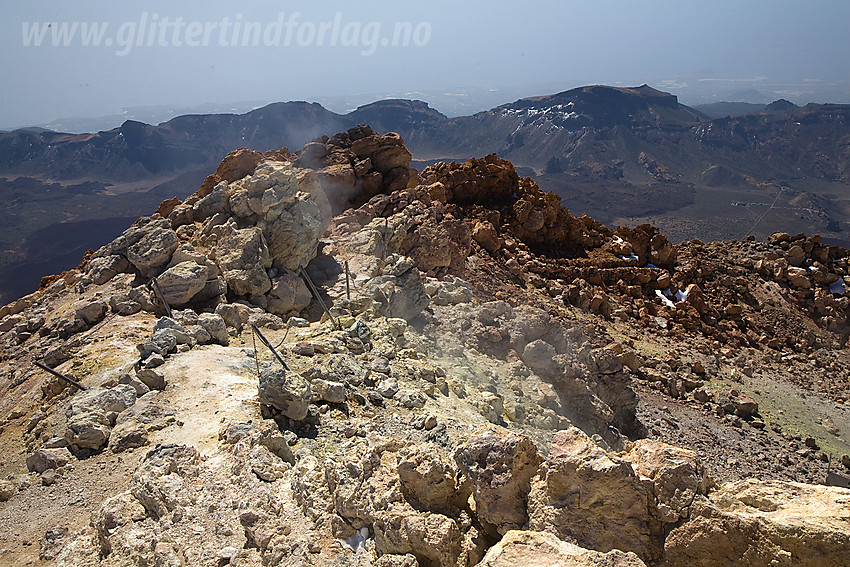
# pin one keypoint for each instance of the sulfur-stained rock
(285, 391)
(541, 549)
(433, 536)
(243, 257)
(677, 476)
(764, 523)
(592, 498)
(429, 480)
(500, 465)
(540, 357)
(394, 560)
(288, 294)
(399, 292)
(366, 491)
(126, 435)
(115, 512)
(115, 399)
(158, 483)
(87, 431)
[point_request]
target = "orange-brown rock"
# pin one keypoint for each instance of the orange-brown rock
(235, 165)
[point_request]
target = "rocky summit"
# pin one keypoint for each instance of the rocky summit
(328, 358)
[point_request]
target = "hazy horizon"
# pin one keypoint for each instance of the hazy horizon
(91, 59)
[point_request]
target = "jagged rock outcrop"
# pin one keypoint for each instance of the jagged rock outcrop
(764, 523)
(256, 222)
(499, 466)
(593, 498)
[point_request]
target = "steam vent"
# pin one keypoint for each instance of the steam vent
(328, 358)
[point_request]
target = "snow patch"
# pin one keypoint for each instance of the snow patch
(663, 298)
(838, 287)
(357, 541)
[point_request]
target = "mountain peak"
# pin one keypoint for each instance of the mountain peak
(781, 106)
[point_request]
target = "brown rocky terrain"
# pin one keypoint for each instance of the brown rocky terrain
(493, 381)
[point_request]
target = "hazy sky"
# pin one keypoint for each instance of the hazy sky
(194, 52)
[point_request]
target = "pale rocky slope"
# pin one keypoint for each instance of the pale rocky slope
(503, 386)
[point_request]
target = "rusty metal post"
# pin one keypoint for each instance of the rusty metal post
(161, 297)
(347, 284)
(59, 375)
(266, 342)
(319, 297)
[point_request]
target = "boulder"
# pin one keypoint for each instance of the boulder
(269, 435)
(8, 489)
(153, 379)
(87, 431)
(158, 483)
(796, 256)
(288, 294)
(540, 357)
(235, 165)
(429, 480)
(126, 435)
(799, 278)
(114, 513)
(213, 203)
(386, 152)
(101, 270)
(150, 254)
(499, 465)
(541, 549)
(52, 542)
(399, 292)
(594, 499)
(285, 391)
(745, 406)
(91, 312)
(180, 283)
(696, 298)
(216, 327)
(484, 233)
(329, 391)
(243, 258)
(764, 523)
(115, 399)
(231, 315)
(677, 476)
(44, 459)
(366, 492)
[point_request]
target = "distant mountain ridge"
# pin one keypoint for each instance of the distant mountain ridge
(573, 128)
